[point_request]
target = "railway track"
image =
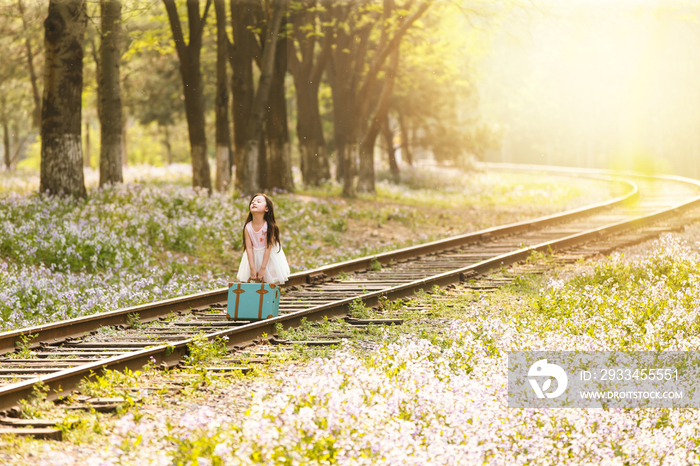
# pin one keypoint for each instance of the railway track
(61, 354)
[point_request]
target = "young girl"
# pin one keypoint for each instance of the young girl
(264, 258)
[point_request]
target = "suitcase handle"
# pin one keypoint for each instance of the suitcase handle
(250, 280)
(262, 282)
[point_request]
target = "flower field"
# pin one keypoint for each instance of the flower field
(434, 390)
(155, 238)
(440, 396)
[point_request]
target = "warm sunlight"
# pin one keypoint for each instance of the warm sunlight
(599, 84)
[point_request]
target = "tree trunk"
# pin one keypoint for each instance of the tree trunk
(279, 170)
(86, 152)
(347, 57)
(168, 146)
(339, 129)
(307, 75)
(19, 144)
(191, 72)
(347, 157)
(255, 123)
(262, 163)
(350, 69)
(366, 177)
(391, 151)
(349, 169)
(36, 115)
(406, 154)
(223, 137)
(16, 143)
(340, 77)
(110, 108)
(312, 145)
(194, 108)
(96, 59)
(125, 153)
(346, 149)
(6, 135)
(6, 149)
(61, 155)
(242, 85)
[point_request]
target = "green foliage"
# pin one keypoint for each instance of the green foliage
(112, 384)
(387, 305)
(539, 257)
(193, 450)
(34, 406)
(358, 309)
(332, 239)
(107, 331)
(339, 224)
(23, 351)
(438, 81)
(527, 284)
(133, 320)
(135, 243)
(202, 350)
(640, 300)
(81, 429)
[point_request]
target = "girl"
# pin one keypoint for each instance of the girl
(264, 258)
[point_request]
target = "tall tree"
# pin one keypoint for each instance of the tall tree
(191, 71)
(4, 122)
(244, 50)
(406, 151)
(159, 98)
(61, 154)
(306, 66)
(435, 98)
(36, 115)
(353, 75)
(279, 166)
(86, 147)
(109, 93)
(254, 128)
(348, 43)
(388, 135)
(223, 135)
(379, 116)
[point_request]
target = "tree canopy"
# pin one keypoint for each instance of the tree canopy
(403, 68)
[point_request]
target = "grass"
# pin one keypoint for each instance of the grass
(150, 240)
(447, 359)
(157, 239)
(130, 225)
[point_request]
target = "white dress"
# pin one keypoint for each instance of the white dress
(277, 270)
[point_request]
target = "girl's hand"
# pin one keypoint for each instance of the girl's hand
(261, 273)
(253, 273)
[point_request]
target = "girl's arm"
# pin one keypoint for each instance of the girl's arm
(266, 259)
(249, 252)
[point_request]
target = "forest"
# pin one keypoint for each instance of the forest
(337, 88)
(134, 132)
(247, 91)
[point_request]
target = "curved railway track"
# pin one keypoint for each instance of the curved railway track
(63, 353)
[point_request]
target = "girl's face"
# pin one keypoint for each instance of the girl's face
(258, 204)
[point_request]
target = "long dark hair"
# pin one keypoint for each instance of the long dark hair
(273, 232)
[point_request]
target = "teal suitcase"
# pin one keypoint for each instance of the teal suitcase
(253, 301)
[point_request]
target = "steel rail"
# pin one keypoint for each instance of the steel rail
(60, 331)
(170, 354)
